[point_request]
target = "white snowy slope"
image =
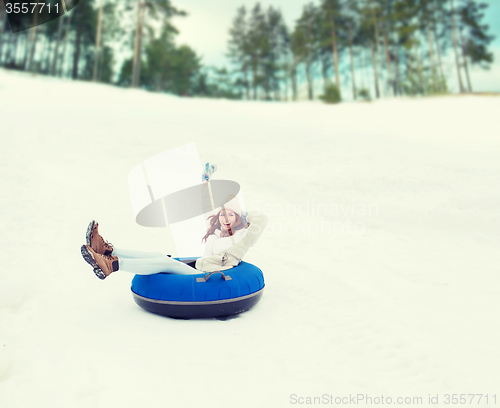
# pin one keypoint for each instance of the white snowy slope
(381, 257)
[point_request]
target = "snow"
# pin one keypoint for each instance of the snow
(381, 256)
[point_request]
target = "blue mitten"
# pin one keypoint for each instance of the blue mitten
(209, 170)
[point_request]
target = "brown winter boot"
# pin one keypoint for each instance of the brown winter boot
(96, 242)
(104, 265)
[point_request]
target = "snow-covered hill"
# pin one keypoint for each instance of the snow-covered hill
(381, 257)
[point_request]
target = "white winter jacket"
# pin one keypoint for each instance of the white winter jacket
(220, 252)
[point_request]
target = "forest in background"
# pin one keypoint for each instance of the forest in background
(374, 48)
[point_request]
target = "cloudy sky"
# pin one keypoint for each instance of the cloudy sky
(207, 26)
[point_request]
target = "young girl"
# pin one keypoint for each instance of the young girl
(228, 238)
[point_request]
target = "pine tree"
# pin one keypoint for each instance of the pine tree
(3, 30)
(274, 52)
(474, 37)
(305, 43)
(104, 53)
(68, 17)
(97, 41)
(84, 26)
(331, 12)
(239, 49)
(438, 17)
(386, 8)
(161, 10)
(455, 45)
(366, 38)
(58, 42)
(256, 45)
(351, 13)
(425, 17)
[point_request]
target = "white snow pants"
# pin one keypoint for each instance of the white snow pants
(149, 263)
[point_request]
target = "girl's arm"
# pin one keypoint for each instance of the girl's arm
(258, 222)
(208, 245)
(233, 255)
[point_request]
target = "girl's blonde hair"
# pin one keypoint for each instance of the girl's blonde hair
(215, 225)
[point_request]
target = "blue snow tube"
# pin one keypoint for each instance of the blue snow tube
(214, 294)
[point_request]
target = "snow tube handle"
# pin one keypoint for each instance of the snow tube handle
(207, 276)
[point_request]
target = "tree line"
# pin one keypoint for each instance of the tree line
(379, 47)
(126, 43)
(384, 47)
